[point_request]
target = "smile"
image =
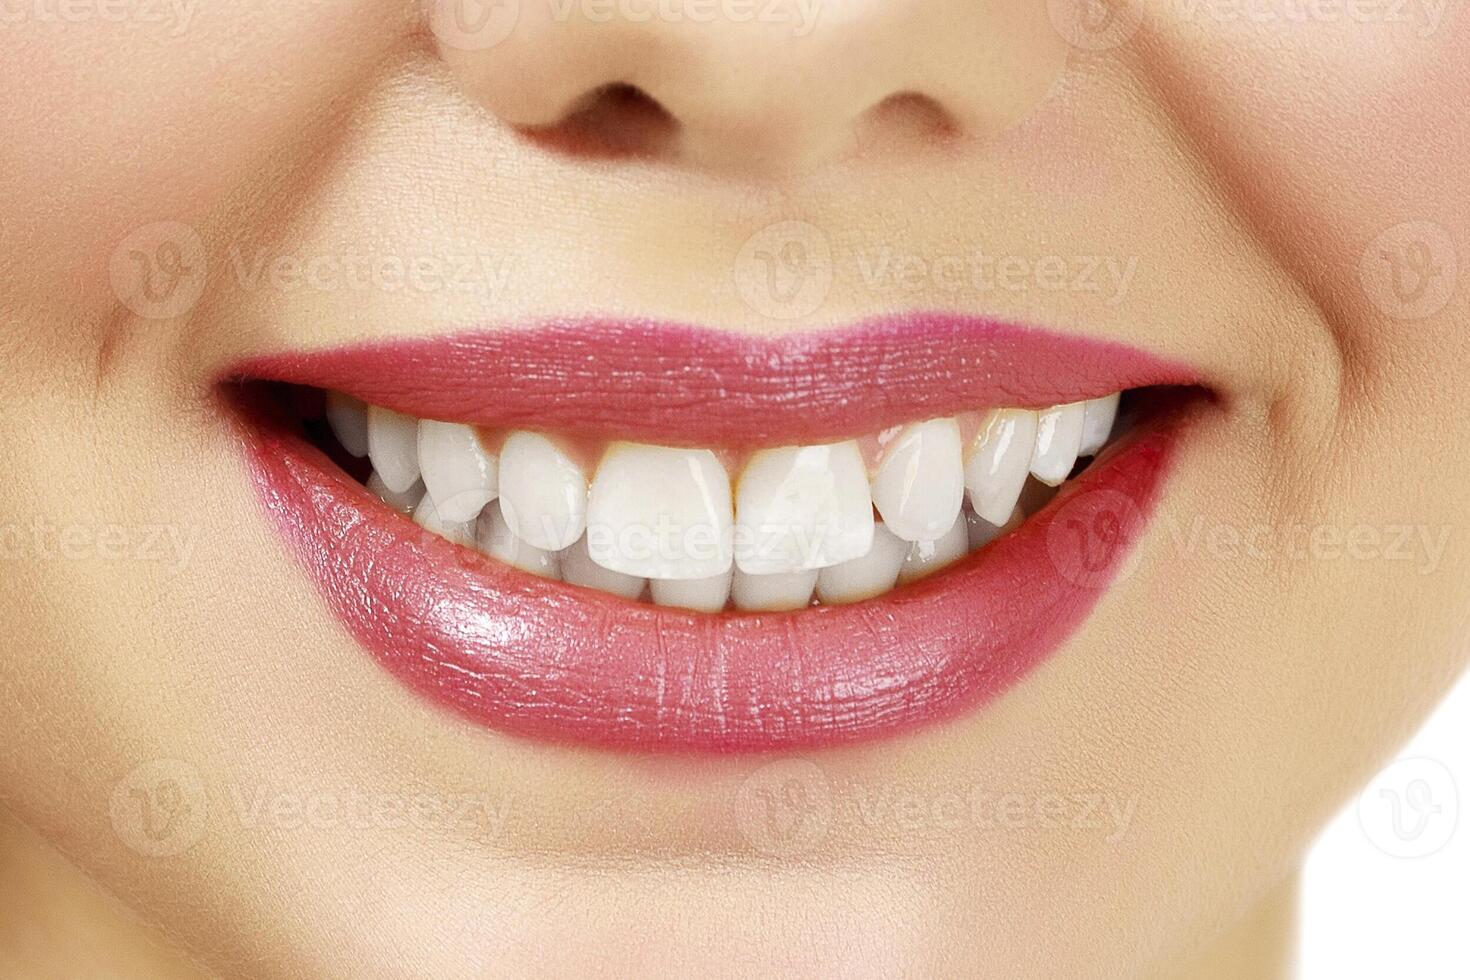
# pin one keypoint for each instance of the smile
(662, 538)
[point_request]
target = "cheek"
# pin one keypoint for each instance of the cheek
(1342, 137)
(1337, 124)
(154, 113)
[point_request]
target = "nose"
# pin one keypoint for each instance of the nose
(751, 85)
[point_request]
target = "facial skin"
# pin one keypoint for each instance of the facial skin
(1278, 637)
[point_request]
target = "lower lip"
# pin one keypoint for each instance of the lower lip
(553, 662)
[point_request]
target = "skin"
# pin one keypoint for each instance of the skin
(1226, 699)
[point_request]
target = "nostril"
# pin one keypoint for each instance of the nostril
(910, 116)
(615, 120)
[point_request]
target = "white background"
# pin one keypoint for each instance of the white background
(1370, 906)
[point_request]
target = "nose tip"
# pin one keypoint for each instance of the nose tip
(766, 86)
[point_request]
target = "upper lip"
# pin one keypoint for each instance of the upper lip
(676, 384)
(546, 660)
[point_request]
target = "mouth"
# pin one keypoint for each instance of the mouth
(659, 538)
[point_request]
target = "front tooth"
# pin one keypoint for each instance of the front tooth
(542, 492)
(982, 532)
(460, 475)
(403, 502)
(393, 446)
(865, 577)
(780, 592)
(661, 513)
(707, 595)
(1097, 424)
(431, 519)
(348, 418)
(494, 537)
(802, 508)
(928, 557)
(999, 461)
(1058, 440)
(578, 568)
(920, 485)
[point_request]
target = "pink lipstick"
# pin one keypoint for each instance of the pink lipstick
(551, 661)
(678, 384)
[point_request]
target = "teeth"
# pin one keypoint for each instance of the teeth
(865, 577)
(708, 595)
(780, 592)
(999, 461)
(920, 484)
(1097, 424)
(662, 513)
(348, 418)
(927, 557)
(428, 517)
(393, 447)
(659, 523)
(403, 502)
(802, 508)
(543, 492)
(461, 477)
(578, 568)
(496, 539)
(1058, 440)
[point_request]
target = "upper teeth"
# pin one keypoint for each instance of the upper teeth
(349, 421)
(1097, 423)
(999, 460)
(461, 477)
(543, 492)
(393, 447)
(920, 484)
(803, 508)
(796, 521)
(1058, 441)
(643, 503)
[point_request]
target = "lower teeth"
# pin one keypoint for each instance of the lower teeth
(891, 563)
